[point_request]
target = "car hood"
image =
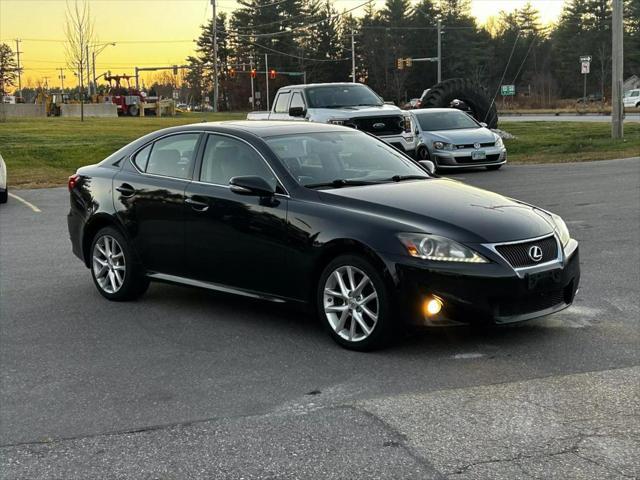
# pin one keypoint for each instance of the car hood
(445, 207)
(462, 136)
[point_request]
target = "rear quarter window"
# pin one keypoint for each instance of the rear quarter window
(141, 158)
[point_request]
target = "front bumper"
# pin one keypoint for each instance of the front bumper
(462, 158)
(492, 293)
(406, 144)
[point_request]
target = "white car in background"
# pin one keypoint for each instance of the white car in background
(4, 190)
(632, 98)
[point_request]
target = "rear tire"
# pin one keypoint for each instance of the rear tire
(494, 167)
(357, 314)
(133, 110)
(116, 272)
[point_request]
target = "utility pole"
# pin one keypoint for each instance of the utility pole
(18, 52)
(439, 50)
(61, 77)
(617, 110)
(215, 57)
(253, 93)
(266, 76)
(353, 58)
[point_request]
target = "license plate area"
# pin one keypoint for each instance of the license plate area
(544, 280)
(478, 155)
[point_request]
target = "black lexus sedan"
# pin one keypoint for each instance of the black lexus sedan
(319, 214)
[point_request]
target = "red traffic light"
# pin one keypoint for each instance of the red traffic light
(272, 74)
(253, 73)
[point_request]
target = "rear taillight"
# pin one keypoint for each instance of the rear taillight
(73, 181)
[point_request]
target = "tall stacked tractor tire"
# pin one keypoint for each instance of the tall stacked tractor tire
(474, 95)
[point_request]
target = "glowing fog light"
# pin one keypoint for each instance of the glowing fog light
(432, 306)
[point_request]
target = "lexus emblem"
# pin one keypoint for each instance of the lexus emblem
(379, 125)
(535, 253)
(476, 145)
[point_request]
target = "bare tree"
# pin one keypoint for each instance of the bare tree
(79, 32)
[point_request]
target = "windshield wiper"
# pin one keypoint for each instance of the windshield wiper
(341, 182)
(400, 178)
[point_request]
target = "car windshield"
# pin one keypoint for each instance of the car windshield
(336, 159)
(337, 96)
(450, 120)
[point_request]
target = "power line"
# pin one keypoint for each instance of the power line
(299, 57)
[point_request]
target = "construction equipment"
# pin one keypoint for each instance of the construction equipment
(51, 101)
(128, 99)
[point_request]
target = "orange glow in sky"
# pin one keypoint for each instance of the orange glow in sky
(147, 32)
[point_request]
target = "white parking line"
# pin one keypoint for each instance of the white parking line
(28, 204)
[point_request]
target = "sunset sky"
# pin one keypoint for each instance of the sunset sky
(148, 32)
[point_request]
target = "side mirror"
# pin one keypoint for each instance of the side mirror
(428, 165)
(297, 112)
(251, 185)
(482, 124)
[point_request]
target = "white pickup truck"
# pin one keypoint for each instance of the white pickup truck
(350, 104)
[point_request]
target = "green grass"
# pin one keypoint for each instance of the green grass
(556, 142)
(44, 152)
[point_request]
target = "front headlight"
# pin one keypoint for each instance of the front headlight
(433, 247)
(499, 142)
(442, 146)
(561, 229)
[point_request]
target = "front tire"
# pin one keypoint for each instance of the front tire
(422, 153)
(133, 110)
(115, 270)
(4, 195)
(353, 304)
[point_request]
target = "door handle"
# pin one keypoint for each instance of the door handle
(126, 190)
(197, 205)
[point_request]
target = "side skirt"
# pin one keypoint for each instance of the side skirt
(163, 277)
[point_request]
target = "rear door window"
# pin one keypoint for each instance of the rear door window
(173, 156)
(282, 103)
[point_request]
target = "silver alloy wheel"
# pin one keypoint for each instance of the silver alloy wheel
(351, 303)
(108, 264)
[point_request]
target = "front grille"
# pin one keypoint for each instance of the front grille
(517, 254)
(533, 303)
(471, 145)
(393, 125)
(467, 159)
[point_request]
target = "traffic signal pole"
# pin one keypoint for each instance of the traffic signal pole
(253, 93)
(439, 50)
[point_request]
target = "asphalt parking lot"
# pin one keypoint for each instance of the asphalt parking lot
(191, 384)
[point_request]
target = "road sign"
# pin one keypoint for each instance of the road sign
(508, 90)
(585, 58)
(585, 67)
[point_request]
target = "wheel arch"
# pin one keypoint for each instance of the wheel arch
(95, 224)
(345, 246)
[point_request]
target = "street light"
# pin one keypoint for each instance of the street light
(94, 55)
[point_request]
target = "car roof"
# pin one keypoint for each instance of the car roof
(270, 128)
(328, 84)
(434, 110)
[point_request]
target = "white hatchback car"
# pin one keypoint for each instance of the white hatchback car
(632, 98)
(4, 190)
